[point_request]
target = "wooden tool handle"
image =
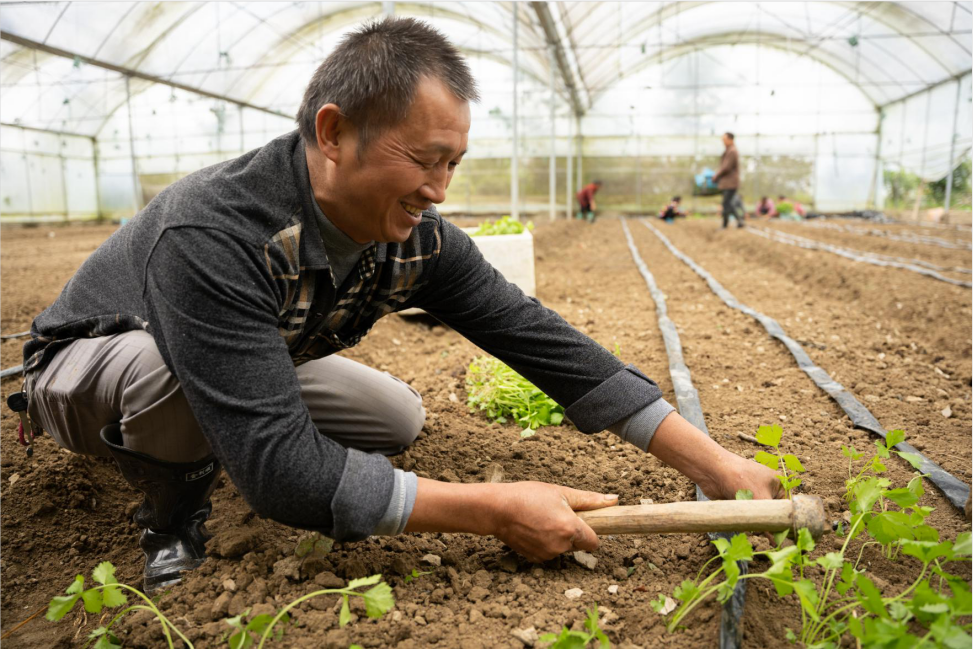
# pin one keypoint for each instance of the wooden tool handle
(711, 516)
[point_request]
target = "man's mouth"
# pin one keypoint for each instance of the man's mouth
(412, 210)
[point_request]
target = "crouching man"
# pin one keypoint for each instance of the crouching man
(202, 335)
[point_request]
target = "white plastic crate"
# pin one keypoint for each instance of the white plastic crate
(511, 254)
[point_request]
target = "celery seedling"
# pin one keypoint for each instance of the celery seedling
(502, 393)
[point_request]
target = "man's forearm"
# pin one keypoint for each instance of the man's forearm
(452, 507)
(690, 451)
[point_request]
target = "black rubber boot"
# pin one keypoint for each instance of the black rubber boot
(174, 511)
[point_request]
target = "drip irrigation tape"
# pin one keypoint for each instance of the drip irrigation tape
(910, 238)
(687, 399)
(875, 255)
(955, 490)
(20, 335)
(10, 371)
(892, 262)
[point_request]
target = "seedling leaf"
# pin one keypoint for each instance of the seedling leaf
(912, 458)
(60, 606)
(768, 460)
(104, 573)
(744, 494)
(345, 616)
(378, 600)
(770, 435)
(792, 463)
(830, 561)
(364, 581)
(893, 437)
(92, 600)
(76, 586)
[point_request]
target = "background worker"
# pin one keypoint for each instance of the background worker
(203, 334)
(586, 199)
(765, 208)
(727, 179)
(672, 211)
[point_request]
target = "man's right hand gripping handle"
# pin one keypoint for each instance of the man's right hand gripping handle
(536, 519)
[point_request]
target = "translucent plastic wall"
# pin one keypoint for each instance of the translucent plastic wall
(46, 176)
(801, 129)
(930, 133)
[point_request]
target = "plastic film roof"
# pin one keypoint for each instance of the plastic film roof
(262, 53)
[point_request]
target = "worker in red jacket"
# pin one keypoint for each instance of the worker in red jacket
(586, 198)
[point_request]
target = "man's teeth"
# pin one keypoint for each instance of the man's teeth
(414, 211)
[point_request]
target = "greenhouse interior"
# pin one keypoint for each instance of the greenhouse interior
(551, 325)
(843, 106)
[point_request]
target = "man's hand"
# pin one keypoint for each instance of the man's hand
(537, 519)
(534, 518)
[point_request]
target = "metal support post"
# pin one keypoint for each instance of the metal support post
(514, 171)
(136, 187)
(569, 169)
(952, 152)
(552, 174)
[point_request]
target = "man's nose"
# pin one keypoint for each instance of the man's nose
(434, 189)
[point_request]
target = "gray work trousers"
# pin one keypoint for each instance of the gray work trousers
(94, 382)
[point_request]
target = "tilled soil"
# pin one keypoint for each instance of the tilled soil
(62, 514)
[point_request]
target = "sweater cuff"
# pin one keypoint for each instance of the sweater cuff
(362, 496)
(639, 428)
(400, 507)
(617, 397)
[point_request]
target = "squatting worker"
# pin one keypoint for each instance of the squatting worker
(586, 200)
(203, 333)
(727, 179)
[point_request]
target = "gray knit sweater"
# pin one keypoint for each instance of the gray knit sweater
(223, 269)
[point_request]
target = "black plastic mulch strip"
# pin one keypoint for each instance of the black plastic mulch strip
(10, 371)
(687, 399)
(908, 238)
(878, 260)
(955, 490)
(18, 335)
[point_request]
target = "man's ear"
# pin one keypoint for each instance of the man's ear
(331, 129)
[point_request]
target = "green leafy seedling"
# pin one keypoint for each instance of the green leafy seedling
(500, 392)
(108, 593)
(415, 574)
(770, 436)
(568, 639)
(378, 601)
(245, 632)
(846, 606)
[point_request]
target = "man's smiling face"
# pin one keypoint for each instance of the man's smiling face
(405, 170)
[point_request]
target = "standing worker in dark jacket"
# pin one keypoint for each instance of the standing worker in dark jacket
(202, 335)
(728, 179)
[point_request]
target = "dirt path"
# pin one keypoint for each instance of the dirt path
(62, 514)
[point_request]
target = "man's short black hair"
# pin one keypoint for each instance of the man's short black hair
(729, 135)
(597, 182)
(373, 74)
(677, 199)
